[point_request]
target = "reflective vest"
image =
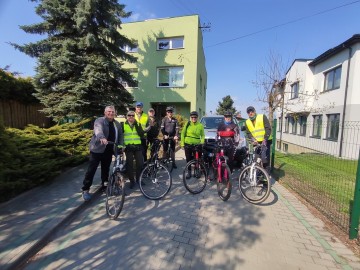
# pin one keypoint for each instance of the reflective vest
(130, 135)
(142, 119)
(257, 131)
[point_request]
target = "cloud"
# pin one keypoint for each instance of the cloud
(142, 16)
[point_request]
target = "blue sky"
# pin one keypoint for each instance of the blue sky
(242, 35)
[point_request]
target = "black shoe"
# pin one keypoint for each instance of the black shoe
(132, 184)
(188, 175)
(174, 166)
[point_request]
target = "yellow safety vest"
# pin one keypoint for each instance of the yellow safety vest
(130, 135)
(257, 131)
(142, 119)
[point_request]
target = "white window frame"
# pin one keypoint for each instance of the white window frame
(129, 49)
(173, 79)
(295, 90)
(332, 79)
(333, 126)
(172, 44)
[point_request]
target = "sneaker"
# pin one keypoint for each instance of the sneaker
(188, 175)
(174, 166)
(86, 195)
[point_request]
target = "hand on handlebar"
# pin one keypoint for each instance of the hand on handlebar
(104, 141)
(166, 137)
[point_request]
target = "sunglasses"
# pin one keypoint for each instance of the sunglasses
(250, 111)
(131, 115)
(193, 117)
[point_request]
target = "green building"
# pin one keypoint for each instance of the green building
(171, 64)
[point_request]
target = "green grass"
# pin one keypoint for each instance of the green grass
(331, 179)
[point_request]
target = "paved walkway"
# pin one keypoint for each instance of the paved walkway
(197, 232)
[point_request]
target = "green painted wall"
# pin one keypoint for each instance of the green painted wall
(188, 98)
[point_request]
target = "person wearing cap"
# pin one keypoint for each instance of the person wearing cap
(258, 130)
(143, 119)
(106, 129)
(133, 133)
(170, 128)
(153, 131)
(228, 132)
(192, 134)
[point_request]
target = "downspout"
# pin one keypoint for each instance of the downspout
(345, 98)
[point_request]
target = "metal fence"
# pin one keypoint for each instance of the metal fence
(321, 166)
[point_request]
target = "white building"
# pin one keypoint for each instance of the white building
(321, 109)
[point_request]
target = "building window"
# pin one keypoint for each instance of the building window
(302, 123)
(170, 43)
(286, 125)
(332, 79)
(332, 128)
(129, 49)
(317, 126)
(285, 147)
(134, 74)
(293, 122)
(295, 90)
(170, 77)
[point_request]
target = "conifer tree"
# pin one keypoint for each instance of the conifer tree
(226, 105)
(79, 63)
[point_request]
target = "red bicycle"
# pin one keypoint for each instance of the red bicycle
(211, 165)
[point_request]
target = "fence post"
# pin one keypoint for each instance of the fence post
(355, 211)
(273, 144)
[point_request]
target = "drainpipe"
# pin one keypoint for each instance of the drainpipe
(345, 98)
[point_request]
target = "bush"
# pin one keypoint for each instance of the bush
(33, 156)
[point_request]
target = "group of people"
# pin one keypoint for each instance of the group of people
(139, 131)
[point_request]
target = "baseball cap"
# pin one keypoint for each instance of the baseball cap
(139, 104)
(169, 109)
(250, 108)
(194, 113)
(151, 110)
(130, 113)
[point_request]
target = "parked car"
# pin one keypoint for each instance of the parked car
(211, 122)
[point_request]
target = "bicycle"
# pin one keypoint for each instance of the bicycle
(198, 172)
(167, 156)
(155, 179)
(115, 190)
(201, 168)
(254, 180)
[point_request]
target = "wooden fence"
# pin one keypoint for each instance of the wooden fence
(18, 115)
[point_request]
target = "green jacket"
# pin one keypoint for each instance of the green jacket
(192, 133)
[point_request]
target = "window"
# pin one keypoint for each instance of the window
(332, 79)
(295, 90)
(332, 128)
(286, 125)
(129, 49)
(302, 123)
(170, 77)
(170, 43)
(133, 73)
(293, 122)
(317, 125)
(285, 147)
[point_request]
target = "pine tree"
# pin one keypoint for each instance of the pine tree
(226, 105)
(79, 63)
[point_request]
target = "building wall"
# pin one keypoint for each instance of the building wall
(184, 99)
(312, 80)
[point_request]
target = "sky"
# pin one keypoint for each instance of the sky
(242, 36)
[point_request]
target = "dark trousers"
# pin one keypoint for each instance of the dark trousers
(172, 146)
(144, 149)
(96, 158)
(266, 158)
(134, 153)
(190, 152)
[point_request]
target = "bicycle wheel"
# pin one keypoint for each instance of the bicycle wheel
(155, 181)
(198, 175)
(115, 195)
(254, 184)
(224, 186)
(168, 162)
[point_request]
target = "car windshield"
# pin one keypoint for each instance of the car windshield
(211, 122)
